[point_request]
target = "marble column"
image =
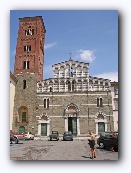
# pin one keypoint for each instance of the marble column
(78, 126)
(66, 124)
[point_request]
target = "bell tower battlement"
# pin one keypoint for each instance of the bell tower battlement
(29, 56)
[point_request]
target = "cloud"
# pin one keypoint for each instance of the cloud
(50, 45)
(113, 76)
(86, 55)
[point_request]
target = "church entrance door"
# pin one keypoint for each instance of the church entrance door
(43, 129)
(101, 127)
(21, 129)
(72, 125)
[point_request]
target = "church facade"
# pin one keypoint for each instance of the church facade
(71, 100)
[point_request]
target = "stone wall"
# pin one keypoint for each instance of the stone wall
(58, 102)
(87, 105)
(57, 124)
(25, 97)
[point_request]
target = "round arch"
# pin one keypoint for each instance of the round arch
(72, 109)
(101, 122)
(23, 114)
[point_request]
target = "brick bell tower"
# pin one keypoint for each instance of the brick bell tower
(28, 69)
(30, 47)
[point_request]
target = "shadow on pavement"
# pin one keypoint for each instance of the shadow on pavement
(86, 157)
(105, 149)
(16, 144)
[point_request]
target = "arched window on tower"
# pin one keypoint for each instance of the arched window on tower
(23, 115)
(27, 48)
(29, 32)
(26, 65)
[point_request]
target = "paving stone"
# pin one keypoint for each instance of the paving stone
(58, 150)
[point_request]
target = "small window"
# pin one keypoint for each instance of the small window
(46, 103)
(26, 65)
(27, 48)
(69, 86)
(23, 117)
(24, 84)
(71, 72)
(99, 102)
(50, 89)
(32, 31)
(29, 32)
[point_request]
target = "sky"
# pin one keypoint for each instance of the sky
(89, 35)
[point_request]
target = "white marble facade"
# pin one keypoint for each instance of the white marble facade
(70, 76)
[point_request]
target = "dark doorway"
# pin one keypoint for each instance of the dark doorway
(72, 125)
(21, 129)
(43, 129)
(101, 127)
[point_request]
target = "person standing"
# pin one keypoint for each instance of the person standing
(113, 141)
(92, 144)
